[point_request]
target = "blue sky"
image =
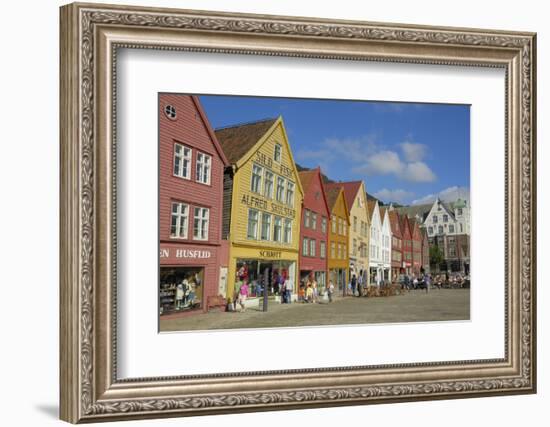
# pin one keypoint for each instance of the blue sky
(405, 152)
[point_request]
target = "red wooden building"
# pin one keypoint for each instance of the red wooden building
(314, 227)
(396, 245)
(191, 165)
(407, 244)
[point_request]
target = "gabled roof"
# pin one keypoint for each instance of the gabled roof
(332, 194)
(237, 140)
(307, 176)
(209, 129)
(371, 204)
(405, 225)
(350, 191)
(395, 223)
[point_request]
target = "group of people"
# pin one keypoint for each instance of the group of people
(186, 292)
(311, 292)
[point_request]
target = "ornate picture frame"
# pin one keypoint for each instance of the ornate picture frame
(90, 37)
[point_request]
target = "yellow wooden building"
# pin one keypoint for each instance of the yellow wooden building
(262, 207)
(338, 253)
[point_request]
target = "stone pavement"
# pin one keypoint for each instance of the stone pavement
(415, 306)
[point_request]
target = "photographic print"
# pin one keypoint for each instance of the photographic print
(283, 212)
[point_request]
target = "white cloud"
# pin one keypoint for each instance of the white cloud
(413, 152)
(449, 194)
(382, 163)
(399, 195)
(418, 172)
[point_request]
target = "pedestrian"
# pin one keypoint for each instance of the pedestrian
(360, 285)
(179, 295)
(288, 288)
(353, 284)
(428, 281)
(330, 290)
(309, 293)
(243, 294)
(315, 290)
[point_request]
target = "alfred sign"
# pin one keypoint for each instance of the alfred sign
(185, 253)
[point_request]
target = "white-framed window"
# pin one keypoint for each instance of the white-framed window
(200, 223)
(277, 154)
(182, 161)
(256, 180)
(287, 232)
(430, 230)
(280, 189)
(339, 251)
(333, 224)
(445, 218)
(332, 250)
(461, 228)
(266, 226)
(277, 228)
(252, 229)
(340, 226)
(434, 219)
(268, 184)
(344, 227)
(180, 220)
(451, 228)
(204, 167)
(440, 229)
(324, 224)
(459, 211)
(323, 249)
(305, 246)
(290, 193)
(313, 220)
(312, 246)
(307, 216)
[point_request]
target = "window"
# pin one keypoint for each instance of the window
(434, 218)
(170, 112)
(430, 230)
(280, 189)
(204, 165)
(323, 250)
(324, 224)
(440, 229)
(355, 224)
(268, 184)
(277, 229)
(451, 228)
(290, 193)
(277, 153)
(252, 230)
(305, 246)
(256, 182)
(182, 161)
(266, 226)
(344, 254)
(313, 220)
(339, 250)
(333, 223)
(461, 227)
(445, 218)
(452, 251)
(180, 220)
(332, 250)
(306, 218)
(312, 245)
(344, 227)
(340, 226)
(354, 246)
(200, 225)
(287, 233)
(459, 211)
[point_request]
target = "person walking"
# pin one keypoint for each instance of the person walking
(330, 290)
(243, 295)
(288, 289)
(353, 284)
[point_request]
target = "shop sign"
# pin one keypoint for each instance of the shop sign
(270, 254)
(259, 203)
(186, 253)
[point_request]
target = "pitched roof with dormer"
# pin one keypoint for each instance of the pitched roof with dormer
(350, 189)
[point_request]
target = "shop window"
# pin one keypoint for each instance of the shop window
(200, 225)
(277, 229)
(266, 226)
(252, 229)
(287, 234)
(181, 289)
(268, 184)
(290, 193)
(312, 247)
(182, 161)
(280, 189)
(323, 250)
(278, 153)
(180, 220)
(256, 181)
(204, 167)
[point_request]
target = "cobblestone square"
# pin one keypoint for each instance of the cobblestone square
(414, 306)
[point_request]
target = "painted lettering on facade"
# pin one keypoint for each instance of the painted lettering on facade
(186, 253)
